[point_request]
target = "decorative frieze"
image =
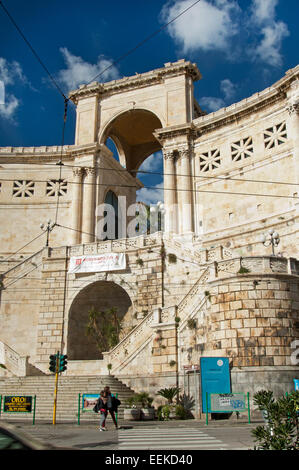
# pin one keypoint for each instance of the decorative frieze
(56, 188)
(23, 188)
(210, 160)
(276, 135)
(242, 149)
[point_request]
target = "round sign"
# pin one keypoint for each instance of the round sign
(220, 363)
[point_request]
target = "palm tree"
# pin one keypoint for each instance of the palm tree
(169, 393)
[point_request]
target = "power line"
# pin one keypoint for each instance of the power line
(169, 189)
(218, 178)
(143, 42)
(52, 80)
(31, 241)
(33, 51)
(112, 63)
(21, 277)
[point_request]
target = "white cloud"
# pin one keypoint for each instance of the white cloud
(8, 109)
(211, 103)
(151, 195)
(209, 25)
(152, 163)
(263, 10)
(263, 21)
(221, 25)
(10, 74)
(228, 88)
(269, 49)
(79, 71)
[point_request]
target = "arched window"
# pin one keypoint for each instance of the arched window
(112, 201)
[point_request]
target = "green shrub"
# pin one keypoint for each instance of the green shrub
(281, 415)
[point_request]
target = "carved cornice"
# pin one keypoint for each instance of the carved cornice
(136, 81)
(275, 94)
(185, 130)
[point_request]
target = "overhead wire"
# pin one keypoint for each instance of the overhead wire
(164, 26)
(98, 75)
(170, 189)
(20, 249)
(33, 51)
(156, 173)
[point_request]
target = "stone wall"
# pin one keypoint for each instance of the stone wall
(253, 321)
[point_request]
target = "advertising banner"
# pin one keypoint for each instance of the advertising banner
(17, 404)
(97, 263)
(89, 400)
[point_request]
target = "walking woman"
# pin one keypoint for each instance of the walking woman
(102, 407)
(112, 405)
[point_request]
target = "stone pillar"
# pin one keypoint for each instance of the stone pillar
(185, 190)
(170, 200)
(76, 205)
(88, 222)
(293, 129)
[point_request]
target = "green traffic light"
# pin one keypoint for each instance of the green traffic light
(62, 362)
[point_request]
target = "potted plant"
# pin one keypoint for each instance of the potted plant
(131, 411)
(169, 410)
(147, 410)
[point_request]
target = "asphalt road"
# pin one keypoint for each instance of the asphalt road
(214, 436)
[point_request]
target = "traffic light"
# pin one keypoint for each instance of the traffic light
(53, 362)
(62, 362)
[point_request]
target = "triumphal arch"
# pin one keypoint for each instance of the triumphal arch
(205, 285)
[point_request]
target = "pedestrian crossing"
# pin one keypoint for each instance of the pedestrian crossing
(167, 439)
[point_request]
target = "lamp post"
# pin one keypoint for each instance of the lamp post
(158, 210)
(272, 240)
(48, 228)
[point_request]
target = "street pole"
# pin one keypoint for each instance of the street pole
(56, 388)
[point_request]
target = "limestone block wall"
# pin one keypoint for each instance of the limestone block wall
(250, 318)
(20, 305)
(254, 321)
(28, 197)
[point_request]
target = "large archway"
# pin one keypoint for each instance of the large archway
(100, 295)
(133, 135)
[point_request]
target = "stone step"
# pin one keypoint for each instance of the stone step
(67, 395)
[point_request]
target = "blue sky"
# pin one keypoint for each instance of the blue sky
(240, 47)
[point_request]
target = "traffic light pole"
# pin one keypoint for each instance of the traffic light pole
(56, 387)
(57, 364)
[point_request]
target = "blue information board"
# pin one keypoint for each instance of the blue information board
(215, 378)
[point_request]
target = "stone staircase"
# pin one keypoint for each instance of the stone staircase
(69, 389)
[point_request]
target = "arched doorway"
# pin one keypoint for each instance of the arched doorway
(101, 296)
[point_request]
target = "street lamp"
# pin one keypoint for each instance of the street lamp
(273, 239)
(48, 228)
(158, 210)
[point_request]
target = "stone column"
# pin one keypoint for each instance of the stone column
(76, 205)
(170, 199)
(88, 222)
(186, 191)
(293, 130)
